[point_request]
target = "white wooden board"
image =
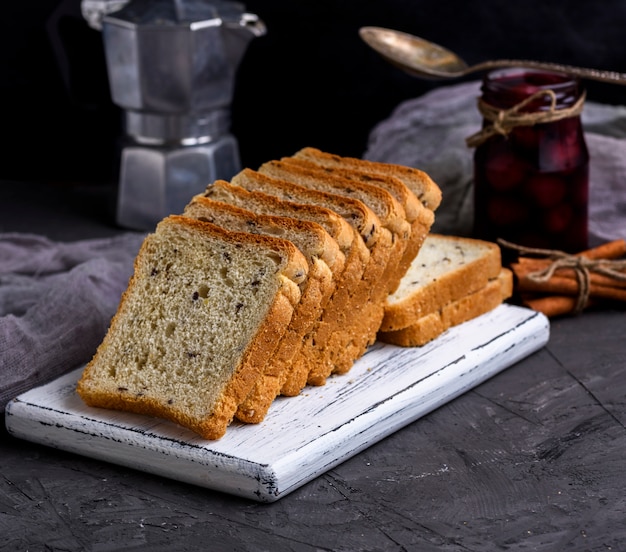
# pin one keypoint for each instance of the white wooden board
(301, 437)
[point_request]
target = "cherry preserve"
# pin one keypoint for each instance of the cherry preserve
(532, 179)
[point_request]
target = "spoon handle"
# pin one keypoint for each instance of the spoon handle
(583, 72)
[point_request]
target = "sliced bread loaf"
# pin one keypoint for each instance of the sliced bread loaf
(352, 246)
(321, 252)
(203, 311)
(446, 269)
(432, 325)
(353, 327)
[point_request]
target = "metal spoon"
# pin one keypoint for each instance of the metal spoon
(422, 58)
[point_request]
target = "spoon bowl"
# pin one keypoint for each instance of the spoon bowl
(421, 58)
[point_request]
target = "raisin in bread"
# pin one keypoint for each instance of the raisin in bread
(321, 252)
(203, 311)
(446, 269)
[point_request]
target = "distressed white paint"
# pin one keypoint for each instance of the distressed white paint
(301, 437)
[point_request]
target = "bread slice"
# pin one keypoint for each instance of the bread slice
(203, 311)
(446, 269)
(431, 326)
(355, 252)
(321, 252)
(419, 217)
(417, 181)
(346, 330)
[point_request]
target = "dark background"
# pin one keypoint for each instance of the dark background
(309, 81)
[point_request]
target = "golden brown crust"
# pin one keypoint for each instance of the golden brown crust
(356, 259)
(412, 206)
(255, 406)
(297, 267)
(389, 211)
(382, 194)
(414, 209)
(335, 315)
(383, 275)
(255, 358)
(297, 231)
(419, 217)
(418, 181)
(362, 319)
(419, 232)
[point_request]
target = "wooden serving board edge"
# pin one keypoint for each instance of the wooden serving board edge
(387, 389)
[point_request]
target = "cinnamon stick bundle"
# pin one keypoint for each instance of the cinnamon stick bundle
(556, 292)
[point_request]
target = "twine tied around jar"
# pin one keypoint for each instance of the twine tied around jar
(581, 265)
(504, 121)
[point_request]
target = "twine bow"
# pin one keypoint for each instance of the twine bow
(582, 266)
(503, 121)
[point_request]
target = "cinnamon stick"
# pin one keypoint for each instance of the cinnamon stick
(567, 286)
(553, 305)
(609, 250)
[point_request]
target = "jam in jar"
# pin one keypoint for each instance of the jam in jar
(531, 164)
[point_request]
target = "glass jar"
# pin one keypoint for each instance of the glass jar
(531, 164)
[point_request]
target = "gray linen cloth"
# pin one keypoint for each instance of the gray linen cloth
(56, 302)
(429, 133)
